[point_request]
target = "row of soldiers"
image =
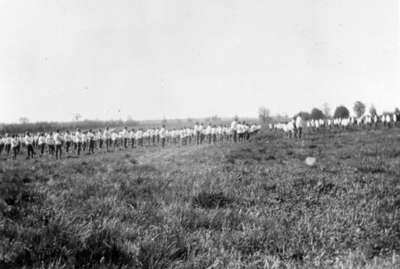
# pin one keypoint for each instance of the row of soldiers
(76, 142)
(294, 127)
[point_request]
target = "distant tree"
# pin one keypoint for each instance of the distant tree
(326, 109)
(372, 110)
(214, 118)
(263, 114)
(304, 115)
(23, 120)
(317, 114)
(281, 118)
(341, 112)
(76, 117)
(129, 118)
(359, 108)
(397, 111)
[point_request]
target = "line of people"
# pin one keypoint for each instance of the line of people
(78, 141)
(294, 128)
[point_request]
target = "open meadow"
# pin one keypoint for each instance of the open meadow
(251, 205)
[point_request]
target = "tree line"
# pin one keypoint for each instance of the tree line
(341, 111)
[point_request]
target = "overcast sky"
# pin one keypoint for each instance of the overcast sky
(176, 59)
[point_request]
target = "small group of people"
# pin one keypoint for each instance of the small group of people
(294, 128)
(89, 141)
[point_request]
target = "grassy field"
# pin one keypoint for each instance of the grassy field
(254, 205)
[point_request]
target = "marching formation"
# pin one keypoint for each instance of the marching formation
(294, 128)
(90, 141)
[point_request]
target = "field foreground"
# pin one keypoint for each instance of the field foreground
(254, 205)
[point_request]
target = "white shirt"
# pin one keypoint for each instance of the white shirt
(49, 140)
(208, 129)
(139, 134)
(234, 125)
(162, 133)
(41, 140)
(299, 122)
(57, 139)
(14, 142)
(28, 140)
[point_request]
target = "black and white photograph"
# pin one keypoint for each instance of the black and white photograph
(213, 134)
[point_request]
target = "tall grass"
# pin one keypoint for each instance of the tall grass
(254, 205)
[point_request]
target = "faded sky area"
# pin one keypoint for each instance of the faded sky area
(177, 59)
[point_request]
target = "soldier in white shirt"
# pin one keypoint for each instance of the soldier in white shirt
(234, 130)
(107, 138)
(68, 140)
(41, 143)
(58, 140)
(162, 134)
(200, 130)
(197, 133)
(208, 133)
(240, 132)
(114, 139)
(299, 126)
(78, 141)
(84, 140)
(50, 143)
(28, 140)
(124, 136)
(91, 139)
(14, 146)
(132, 137)
(100, 140)
(139, 137)
(388, 120)
(1, 144)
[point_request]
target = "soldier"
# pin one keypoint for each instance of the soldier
(28, 140)
(14, 146)
(50, 143)
(41, 143)
(58, 140)
(162, 134)
(78, 142)
(299, 126)
(91, 139)
(234, 130)
(68, 141)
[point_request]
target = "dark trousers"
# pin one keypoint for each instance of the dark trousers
(7, 148)
(51, 149)
(198, 138)
(31, 152)
(67, 146)
(132, 142)
(235, 136)
(42, 148)
(78, 148)
(125, 142)
(163, 141)
(58, 151)
(15, 152)
(299, 132)
(91, 146)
